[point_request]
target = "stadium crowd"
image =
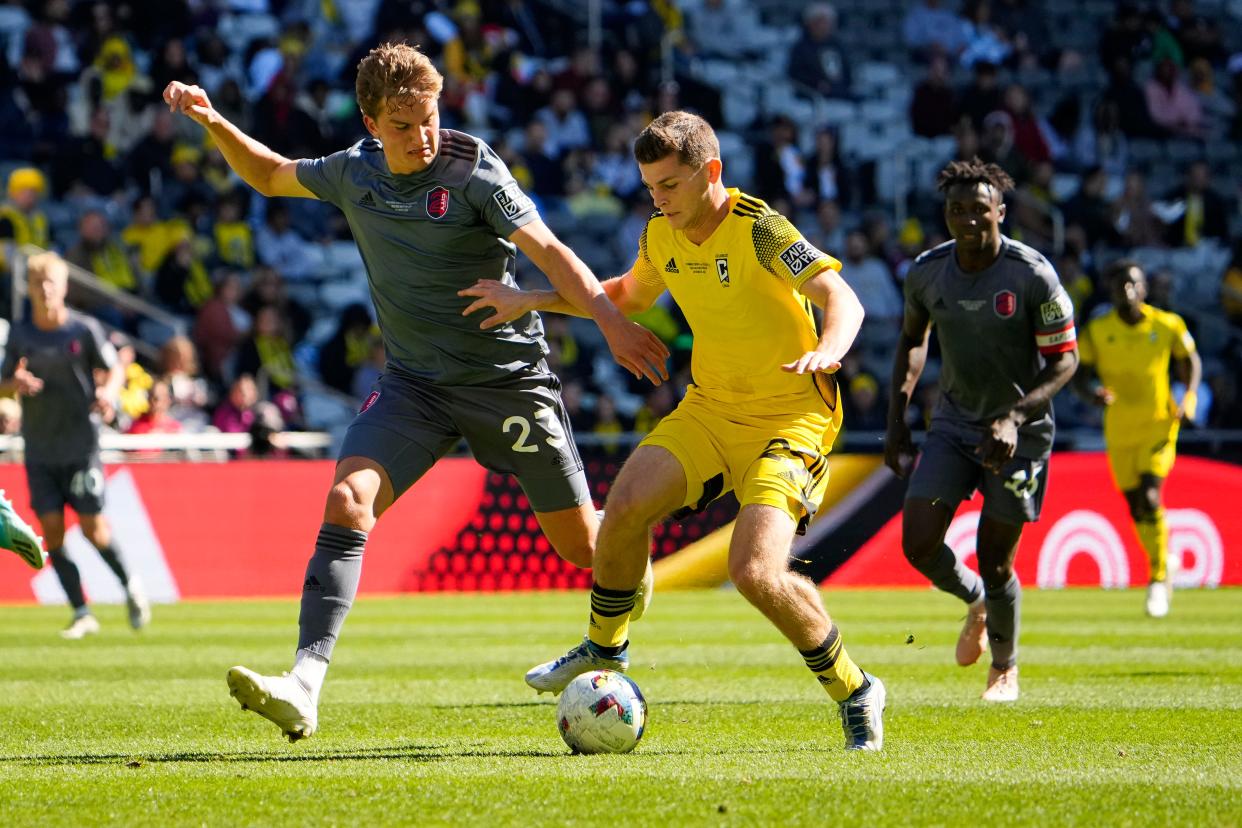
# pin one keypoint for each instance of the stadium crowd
(1123, 139)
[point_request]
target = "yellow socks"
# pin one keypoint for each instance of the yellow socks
(610, 616)
(1153, 534)
(833, 667)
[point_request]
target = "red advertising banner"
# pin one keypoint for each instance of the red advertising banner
(1085, 537)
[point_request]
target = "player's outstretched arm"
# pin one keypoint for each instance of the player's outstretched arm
(634, 347)
(267, 171)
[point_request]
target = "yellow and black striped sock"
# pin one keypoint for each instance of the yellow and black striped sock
(1153, 535)
(610, 617)
(833, 667)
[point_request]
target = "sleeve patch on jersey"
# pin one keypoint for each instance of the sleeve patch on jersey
(512, 201)
(800, 255)
(1059, 308)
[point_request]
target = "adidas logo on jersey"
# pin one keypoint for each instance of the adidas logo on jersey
(367, 200)
(671, 267)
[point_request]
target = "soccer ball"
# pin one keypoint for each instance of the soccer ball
(602, 712)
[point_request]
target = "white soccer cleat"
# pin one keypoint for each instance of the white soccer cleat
(17, 536)
(862, 716)
(1002, 685)
(973, 640)
(645, 590)
(80, 627)
(282, 700)
(1158, 599)
(553, 676)
(139, 606)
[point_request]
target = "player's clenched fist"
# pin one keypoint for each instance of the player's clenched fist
(189, 100)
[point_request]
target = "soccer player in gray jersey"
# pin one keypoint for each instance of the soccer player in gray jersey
(432, 212)
(50, 362)
(1007, 344)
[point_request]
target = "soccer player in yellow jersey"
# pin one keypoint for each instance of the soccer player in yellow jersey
(1129, 350)
(759, 418)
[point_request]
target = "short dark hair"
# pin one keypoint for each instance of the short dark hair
(974, 171)
(1120, 268)
(683, 133)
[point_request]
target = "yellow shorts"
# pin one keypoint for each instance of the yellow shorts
(777, 459)
(1150, 451)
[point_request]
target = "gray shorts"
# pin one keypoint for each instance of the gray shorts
(53, 485)
(948, 470)
(516, 427)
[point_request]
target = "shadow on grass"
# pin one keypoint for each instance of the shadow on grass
(412, 753)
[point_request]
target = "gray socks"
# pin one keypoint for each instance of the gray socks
(949, 575)
(328, 592)
(1004, 605)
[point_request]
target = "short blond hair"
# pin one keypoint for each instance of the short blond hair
(684, 133)
(392, 76)
(47, 263)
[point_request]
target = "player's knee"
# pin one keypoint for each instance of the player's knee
(919, 551)
(351, 504)
(628, 509)
(752, 579)
(995, 576)
(1150, 500)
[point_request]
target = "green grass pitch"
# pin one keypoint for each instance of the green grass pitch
(425, 719)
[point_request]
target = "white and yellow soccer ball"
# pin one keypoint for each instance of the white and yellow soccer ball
(602, 712)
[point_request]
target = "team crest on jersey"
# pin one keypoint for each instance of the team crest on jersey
(722, 270)
(369, 401)
(437, 203)
(1005, 303)
(75, 347)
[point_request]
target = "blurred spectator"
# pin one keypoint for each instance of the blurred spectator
(134, 396)
(982, 96)
(348, 348)
(1217, 106)
(817, 61)
(157, 419)
(90, 167)
(607, 424)
(1129, 99)
(1025, 26)
(1199, 211)
(282, 248)
(872, 281)
(827, 234)
(149, 164)
(566, 126)
(220, 325)
(1102, 141)
(233, 240)
(1030, 214)
(1198, 36)
(1133, 217)
(97, 251)
(1124, 36)
(1090, 209)
(933, 107)
(235, 414)
(1172, 104)
(996, 145)
(186, 184)
(780, 169)
(658, 403)
(614, 168)
(828, 174)
(267, 288)
(368, 373)
(21, 220)
(1028, 128)
(929, 29)
(863, 411)
(178, 368)
(983, 41)
(182, 282)
(547, 178)
(267, 355)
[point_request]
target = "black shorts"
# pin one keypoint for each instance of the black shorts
(948, 470)
(518, 426)
(53, 485)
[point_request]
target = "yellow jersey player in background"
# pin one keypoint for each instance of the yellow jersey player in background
(1129, 349)
(759, 417)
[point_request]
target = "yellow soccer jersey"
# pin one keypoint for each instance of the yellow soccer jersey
(739, 292)
(1133, 360)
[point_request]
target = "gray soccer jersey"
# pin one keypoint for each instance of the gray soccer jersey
(57, 423)
(425, 236)
(993, 327)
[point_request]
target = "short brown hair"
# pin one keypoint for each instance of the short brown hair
(686, 134)
(393, 75)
